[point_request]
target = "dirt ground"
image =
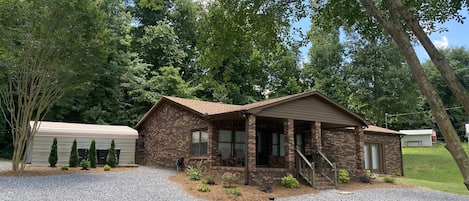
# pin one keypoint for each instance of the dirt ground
(253, 192)
(45, 171)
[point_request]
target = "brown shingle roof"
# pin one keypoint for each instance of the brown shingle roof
(377, 129)
(205, 107)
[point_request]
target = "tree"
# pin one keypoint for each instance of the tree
(73, 159)
(53, 158)
(43, 46)
(111, 158)
(402, 21)
(92, 155)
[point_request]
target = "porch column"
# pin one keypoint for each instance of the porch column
(359, 144)
(250, 165)
(289, 143)
(212, 146)
(317, 136)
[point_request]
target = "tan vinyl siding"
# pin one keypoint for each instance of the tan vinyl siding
(42, 145)
(310, 109)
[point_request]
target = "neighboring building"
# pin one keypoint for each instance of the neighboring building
(265, 140)
(124, 138)
(418, 138)
(467, 132)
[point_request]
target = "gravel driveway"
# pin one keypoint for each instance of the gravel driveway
(148, 183)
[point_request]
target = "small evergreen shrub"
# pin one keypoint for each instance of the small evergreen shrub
(232, 191)
(85, 164)
(203, 188)
(194, 173)
(229, 178)
(210, 180)
(64, 167)
(290, 182)
(53, 154)
(73, 160)
(107, 168)
(344, 176)
(92, 155)
(389, 179)
(111, 158)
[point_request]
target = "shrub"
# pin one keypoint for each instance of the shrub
(85, 164)
(73, 161)
(64, 167)
(210, 180)
(290, 182)
(92, 156)
(232, 191)
(344, 176)
(371, 175)
(229, 178)
(107, 168)
(111, 158)
(194, 173)
(53, 153)
(389, 179)
(203, 188)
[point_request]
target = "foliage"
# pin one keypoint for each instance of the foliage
(64, 167)
(344, 176)
(372, 175)
(290, 182)
(210, 180)
(73, 160)
(389, 179)
(432, 168)
(232, 191)
(107, 168)
(203, 188)
(85, 164)
(53, 158)
(194, 173)
(92, 155)
(229, 178)
(111, 158)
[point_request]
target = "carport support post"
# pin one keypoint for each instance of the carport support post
(290, 143)
(359, 145)
(250, 153)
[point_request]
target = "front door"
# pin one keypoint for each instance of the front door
(263, 139)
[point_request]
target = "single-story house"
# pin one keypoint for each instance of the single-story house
(124, 139)
(418, 138)
(307, 134)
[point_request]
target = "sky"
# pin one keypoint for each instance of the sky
(457, 35)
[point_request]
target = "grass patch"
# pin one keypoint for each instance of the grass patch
(434, 168)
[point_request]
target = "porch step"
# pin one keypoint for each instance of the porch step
(322, 183)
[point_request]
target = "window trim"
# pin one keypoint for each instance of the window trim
(232, 141)
(200, 152)
(381, 159)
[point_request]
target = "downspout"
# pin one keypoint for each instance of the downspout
(246, 161)
(402, 160)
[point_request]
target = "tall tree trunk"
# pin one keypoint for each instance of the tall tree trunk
(395, 29)
(440, 62)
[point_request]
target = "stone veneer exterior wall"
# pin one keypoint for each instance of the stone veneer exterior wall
(392, 151)
(167, 135)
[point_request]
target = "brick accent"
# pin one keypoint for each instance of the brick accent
(316, 132)
(252, 143)
(359, 144)
(167, 135)
(289, 143)
(340, 148)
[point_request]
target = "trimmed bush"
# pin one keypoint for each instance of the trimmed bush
(210, 180)
(290, 182)
(85, 164)
(232, 191)
(111, 158)
(92, 155)
(229, 178)
(203, 188)
(73, 161)
(53, 158)
(107, 168)
(389, 179)
(344, 176)
(64, 167)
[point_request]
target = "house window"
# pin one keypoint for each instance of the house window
(373, 153)
(231, 143)
(278, 144)
(199, 143)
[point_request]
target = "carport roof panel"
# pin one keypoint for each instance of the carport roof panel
(84, 130)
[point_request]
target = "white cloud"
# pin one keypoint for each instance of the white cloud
(441, 44)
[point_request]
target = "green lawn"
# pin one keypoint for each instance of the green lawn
(432, 168)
